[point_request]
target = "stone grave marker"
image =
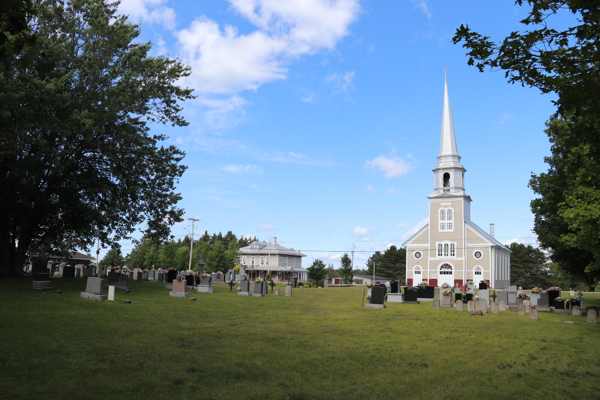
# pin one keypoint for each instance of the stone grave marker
(527, 306)
(458, 305)
(521, 309)
(411, 295)
(205, 285)
(119, 281)
(218, 277)
(377, 297)
(276, 292)
(94, 289)
(533, 314)
(288, 290)
(502, 306)
(484, 294)
(543, 301)
(258, 289)
(483, 305)
(152, 275)
(470, 306)
(512, 295)
(87, 272)
(160, 276)
(495, 309)
(130, 275)
(111, 293)
(245, 288)
(436, 304)
(179, 288)
(502, 296)
(591, 317)
(576, 311)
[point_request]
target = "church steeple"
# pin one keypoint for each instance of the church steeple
(449, 173)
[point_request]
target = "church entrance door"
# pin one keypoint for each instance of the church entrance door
(477, 275)
(417, 276)
(446, 274)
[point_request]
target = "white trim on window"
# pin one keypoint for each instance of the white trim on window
(262, 260)
(285, 262)
(446, 216)
(243, 260)
(253, 260)
(446, 249)
(293, 262)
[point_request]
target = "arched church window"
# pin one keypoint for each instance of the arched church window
(446, 179)
(452, 250)
(446, 250)
(449, 219)
(442, 219)
(439, 250)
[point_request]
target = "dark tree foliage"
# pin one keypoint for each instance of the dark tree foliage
(77, 157)
(390, 264)
(567, 63)
(113, 257)
(317, 271)
(346, 268)
(528, 267)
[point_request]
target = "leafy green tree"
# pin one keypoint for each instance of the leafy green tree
(565, 61)
(217, 258)
(78, 160)
(390, 264)
(113, 257)
(346, 268)
(317, 271)
(528, 267)
(166, 255)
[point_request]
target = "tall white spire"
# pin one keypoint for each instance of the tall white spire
(447, 135)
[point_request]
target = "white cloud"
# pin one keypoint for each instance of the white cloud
(161, 50)
(308, 99)
(226, 61)
(393, 167)
(150, 11)
(402, 225)
(266, 228)
(531, 239)
(370, 189)
(342, 83)
(358, 231)
(394, 191)
(248, 169)
(505, 118)
(423, 6)
(415, 228)
(366, 239)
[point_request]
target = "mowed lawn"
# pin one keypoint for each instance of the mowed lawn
(319, 343)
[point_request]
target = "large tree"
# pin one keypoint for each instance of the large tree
(528, 267)
(390, 264)
(346, 268)
(77, 157)
(567, 63)
(113, 257)
(317, 271)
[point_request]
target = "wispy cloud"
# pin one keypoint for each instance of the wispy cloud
(370, 189)
(266, 228)
(531, 239)
(342, 83)
(358, 231)
(247, 169)
(394, 191)
(505, 118)
(423, 6)
(391, 166)
(414, 229)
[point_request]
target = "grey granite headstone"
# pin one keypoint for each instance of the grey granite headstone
(543, 300)
(459, 305)
(288, 290)
(502, 305)
(533, 314)
(495, 309)
(484, 294)
(527, 306)
(521, 309)
(94, 289)
(576, 311)
(277, 292)
(502, 296)
(591, 317)
(512, 298)
(483, 305)
(436, 304)
(470, 306)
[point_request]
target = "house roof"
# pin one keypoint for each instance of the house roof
(274, 268)
(371, 277)
(264, 248)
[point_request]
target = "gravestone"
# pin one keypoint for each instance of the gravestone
(482, 285)
(244, 288)
(179, 288)
(377, 297)
(205, 285)
(521, 309)
(145, 276)
(495, 308)
(119, 281)
(484, 294)
(41, 280)
(512, 295)
(218, 277)
(502, 296)
(470, 306)
(502, 306)
(543, 301)
(483, 305)
(257, 288)
(87, 272)
(436, 304)
(576, 311)
(395, 287)
(152, 275)
(102, 273)
(160, 276)
(265, 288)
(130, 275)
(326, 282)
(533, 314)
(190, 280)
(458, 305)
(591, 317)
(411, 295)
(276, 292)
(527, 306)
(94, 289)
(552, 294)
(288, 290)
(171, 275)
(535, 298)
(111, 293)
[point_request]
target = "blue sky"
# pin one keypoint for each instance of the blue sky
(317, 122)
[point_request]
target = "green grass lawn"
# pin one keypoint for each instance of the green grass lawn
(319, 343)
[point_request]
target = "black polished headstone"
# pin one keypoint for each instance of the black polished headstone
(191, 280)
(68, 272)
(377, 295)
(552, 294)
(395, 287)
(483, 286)
(41, 276)
(171, 274)
(410, 294)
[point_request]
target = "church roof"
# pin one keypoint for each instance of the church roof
(486, 235)
(416, 234)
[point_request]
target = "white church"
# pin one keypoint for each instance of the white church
(450, 248)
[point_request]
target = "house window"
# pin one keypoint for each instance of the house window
(440, 250)
(285, 262)
(262, 260)
(293, 262)
(243, 260)
(267, 260)
(253, 260)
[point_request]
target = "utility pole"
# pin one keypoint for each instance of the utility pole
(192, 241)
(352, 267)
(374, 265)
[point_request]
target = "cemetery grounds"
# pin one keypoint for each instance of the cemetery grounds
(317, 344)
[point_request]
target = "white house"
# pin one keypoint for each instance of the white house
(261, 258)
(451, 248)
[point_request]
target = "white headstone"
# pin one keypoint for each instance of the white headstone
(111, 293)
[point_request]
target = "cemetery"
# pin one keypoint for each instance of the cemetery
(148, 344)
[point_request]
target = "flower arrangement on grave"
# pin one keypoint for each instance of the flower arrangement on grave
(259, 279)
(172, 269)
(180, 277)
(238, 289)
(115, 270)
(423, 282)
(204, 275)
(243, 277)
(447, 292)
(477, 298)
(555, 288)
(533, 305)
(559, 299)
(536, 290)
(446, 285)
(522, 295)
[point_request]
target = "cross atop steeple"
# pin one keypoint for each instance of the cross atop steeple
(445, 71)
